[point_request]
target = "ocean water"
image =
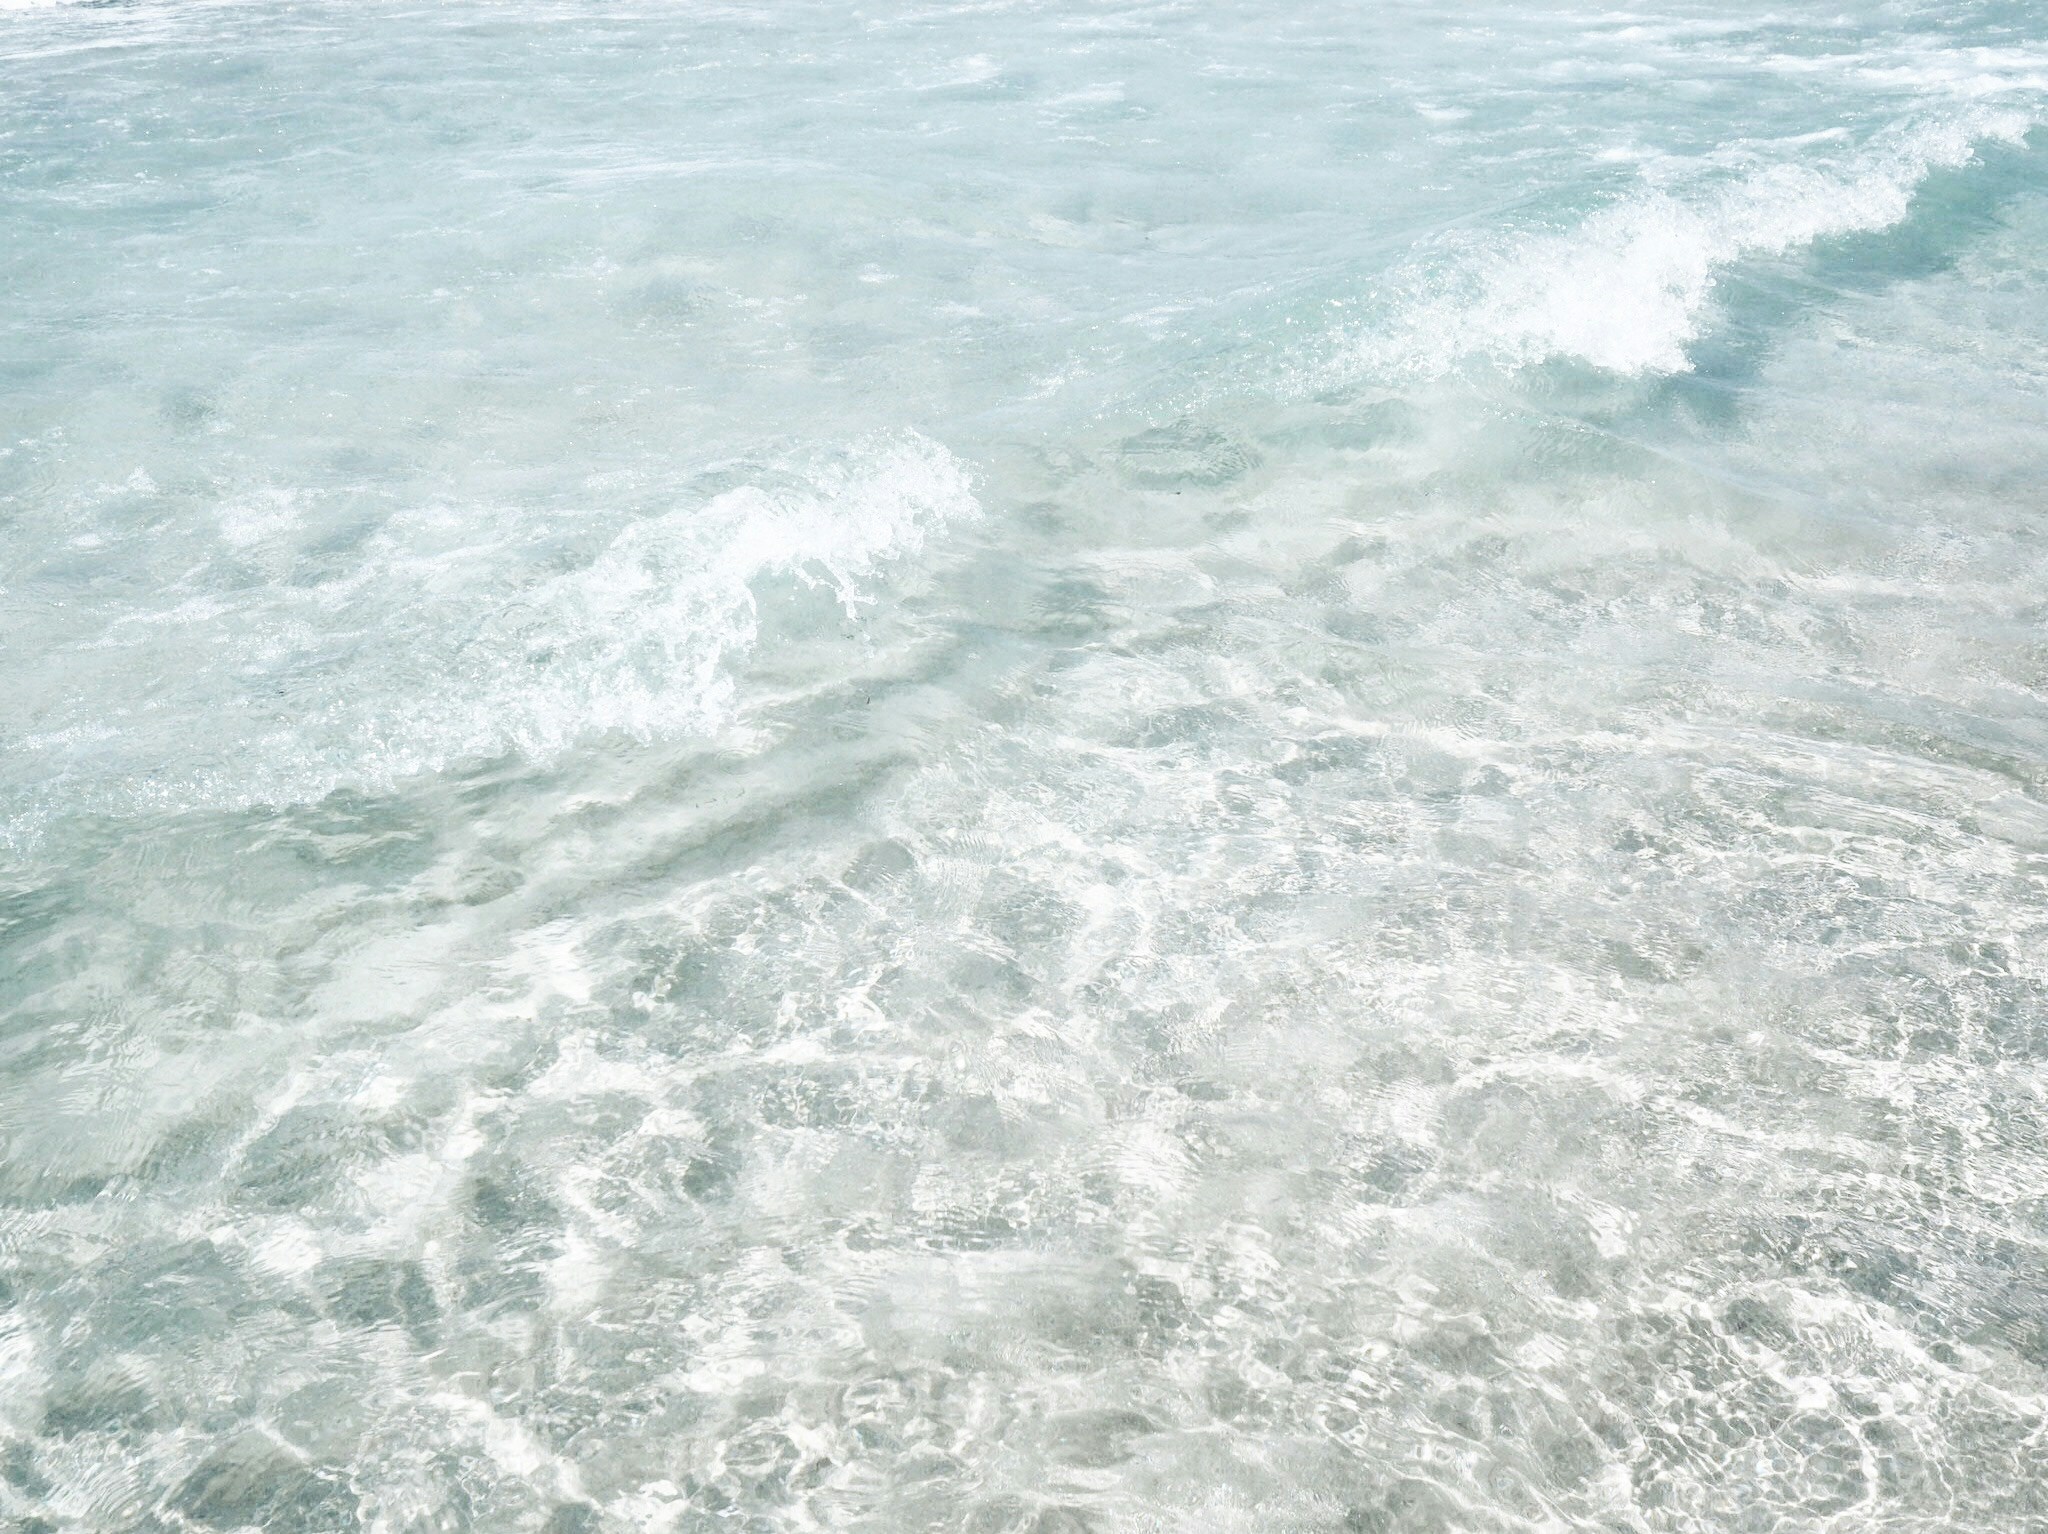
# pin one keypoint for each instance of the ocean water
(1024, 768)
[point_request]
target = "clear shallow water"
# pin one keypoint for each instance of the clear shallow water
(1124, 767)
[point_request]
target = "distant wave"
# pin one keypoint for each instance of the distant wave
(1629, 289)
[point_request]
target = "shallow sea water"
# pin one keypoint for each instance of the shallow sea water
(1023, 767)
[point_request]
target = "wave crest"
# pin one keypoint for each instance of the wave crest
(1628, 290)
(424, 656)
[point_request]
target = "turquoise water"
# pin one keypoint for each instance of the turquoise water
(1023, 767)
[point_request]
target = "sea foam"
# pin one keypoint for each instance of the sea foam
(422, 653)
(1630, 288)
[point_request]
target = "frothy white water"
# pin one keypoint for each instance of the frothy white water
(641, 641)
(445, 640)
(1630, 288)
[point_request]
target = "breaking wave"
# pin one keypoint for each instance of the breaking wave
(425, 654)
(1630, 289)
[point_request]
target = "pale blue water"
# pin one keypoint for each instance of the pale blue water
(1024, 767)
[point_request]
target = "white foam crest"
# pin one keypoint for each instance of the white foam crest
(425, 656)
(639, 640)
(1629, 289)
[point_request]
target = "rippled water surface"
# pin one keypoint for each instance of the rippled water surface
(1023, 768)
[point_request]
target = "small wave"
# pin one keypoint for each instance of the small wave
(420, 658)
(1628, 290)
(637, 642)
